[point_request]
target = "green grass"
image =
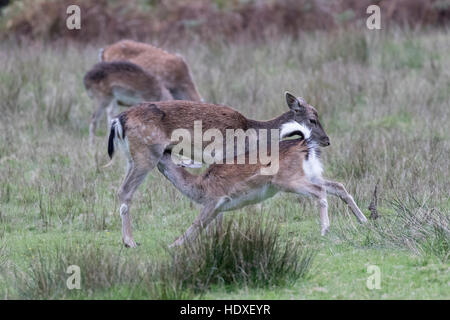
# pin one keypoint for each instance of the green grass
(383, 98)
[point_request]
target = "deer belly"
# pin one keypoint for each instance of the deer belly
(248, 198)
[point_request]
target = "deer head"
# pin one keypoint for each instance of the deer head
(307, 114)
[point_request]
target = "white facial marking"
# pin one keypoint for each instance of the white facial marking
(293, 126)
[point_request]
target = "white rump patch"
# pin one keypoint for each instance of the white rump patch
(115, 123)
(122, 142)
(293, 126)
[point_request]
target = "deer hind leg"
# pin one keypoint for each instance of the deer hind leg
(133, 179)
(208, 213)
(338, 190)
(137, 171)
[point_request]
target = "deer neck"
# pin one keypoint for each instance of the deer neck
(275, 123)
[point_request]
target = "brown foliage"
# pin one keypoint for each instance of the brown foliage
(174, 20)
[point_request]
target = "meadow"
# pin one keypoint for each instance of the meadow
(383, 99)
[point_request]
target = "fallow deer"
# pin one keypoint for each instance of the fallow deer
(172, 69)
(228, 187)
(120, 83)
(144, 133)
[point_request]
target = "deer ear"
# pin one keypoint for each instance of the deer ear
(293, 102)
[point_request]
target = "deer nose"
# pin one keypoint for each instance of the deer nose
(326, 142)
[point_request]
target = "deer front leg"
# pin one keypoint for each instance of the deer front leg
(338, 189)
(207, 215)
(317, 191)
(321, 195)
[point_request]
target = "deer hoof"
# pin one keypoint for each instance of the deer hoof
(324, 231)
(129, 243)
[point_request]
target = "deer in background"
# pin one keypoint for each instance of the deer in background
(123, 83)
(225, 187)
(172, 69)
(143, 134)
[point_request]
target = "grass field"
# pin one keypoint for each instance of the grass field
(383, 98)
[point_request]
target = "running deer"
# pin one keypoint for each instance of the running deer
(111, 84)
(229, 187)
(144, 133)
(172, 69)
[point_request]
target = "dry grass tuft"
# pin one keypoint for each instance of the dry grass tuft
(413, 225)
(250, 253)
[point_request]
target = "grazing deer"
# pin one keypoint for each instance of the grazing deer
(144, 132)
(172, 69)
(229, 187)
(120, 83)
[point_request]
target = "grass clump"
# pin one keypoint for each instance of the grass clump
(246, 252)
